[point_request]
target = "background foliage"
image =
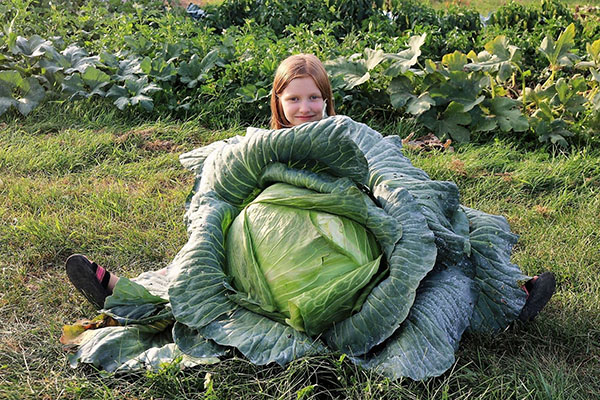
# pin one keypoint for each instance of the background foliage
(455, 72)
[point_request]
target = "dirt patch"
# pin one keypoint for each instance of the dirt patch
(427, 143)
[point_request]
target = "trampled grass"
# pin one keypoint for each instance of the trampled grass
(109, 185)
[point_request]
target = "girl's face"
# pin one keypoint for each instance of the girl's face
(302, 101)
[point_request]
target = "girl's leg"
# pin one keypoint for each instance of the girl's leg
(92, 280)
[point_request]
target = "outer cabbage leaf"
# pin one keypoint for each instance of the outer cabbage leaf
(389, 302)
(424, 345)
(132, 303)
(501, 298)
(112, 346)
(197, 289)
(156, 357)
(260, 339)
(439, 200)
(233, 173)
(195, 345)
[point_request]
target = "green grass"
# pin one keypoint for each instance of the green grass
(75, 179)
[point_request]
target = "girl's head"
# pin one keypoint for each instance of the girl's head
(301, 89)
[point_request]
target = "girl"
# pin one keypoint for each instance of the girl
(301, 93)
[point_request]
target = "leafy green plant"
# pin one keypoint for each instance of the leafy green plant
(134, 92)
(314, 239)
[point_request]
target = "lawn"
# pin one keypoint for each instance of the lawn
(75, 179)
(85, 177)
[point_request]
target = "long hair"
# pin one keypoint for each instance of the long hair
(298, 66)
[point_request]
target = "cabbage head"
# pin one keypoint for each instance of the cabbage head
(319, 238)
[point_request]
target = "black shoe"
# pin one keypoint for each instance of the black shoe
(540, 290)
(82, 274)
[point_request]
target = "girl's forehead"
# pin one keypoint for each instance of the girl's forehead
(301, 84)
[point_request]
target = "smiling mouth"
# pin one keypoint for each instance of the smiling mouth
(305, 116)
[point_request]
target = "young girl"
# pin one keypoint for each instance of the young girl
(301, 93)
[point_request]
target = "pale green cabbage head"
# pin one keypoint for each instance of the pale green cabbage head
(306, 267)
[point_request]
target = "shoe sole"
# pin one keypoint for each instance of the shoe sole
(541, 292)
(79, 271)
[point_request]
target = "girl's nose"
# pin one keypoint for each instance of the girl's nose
(304, 107)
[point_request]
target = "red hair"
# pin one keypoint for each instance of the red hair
(298, 66)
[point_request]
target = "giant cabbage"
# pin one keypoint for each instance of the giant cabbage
(319, 238)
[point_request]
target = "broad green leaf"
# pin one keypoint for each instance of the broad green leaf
(192, 343)
(452, 122)
(559, 53)
(549, 129)
(11, 78)
(234, 172)
(144, 101)
(197, 291)
(460, 88)
(562, 88)
(260, 339)
(156, 358)
(128, 292)
(593, 50)
(128, 70)
(74, 85)
(122, 102)
(354, 73)
(23, 93)
(158, 68)
(425, 343)
(6, 99)
(507, 113)
(53, 61)
(504, 72)
(96, 80)
(501, 298)
(373, 57)
(34, 47)
(195, 71)
(400, 90)
(439, 201)
(418, 105)
(499, 47)
(394, 296)
(111, 347)
(481, 122)
(117, 91)
(76, 59)
(455, 61)
(250, 93)
(404, 60)
(132, 303)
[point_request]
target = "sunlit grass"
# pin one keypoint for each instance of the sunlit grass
(110, 185)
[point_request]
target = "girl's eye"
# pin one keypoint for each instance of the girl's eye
(315, 97)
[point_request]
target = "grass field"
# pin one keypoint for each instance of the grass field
(96, 181)
(84, 177)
